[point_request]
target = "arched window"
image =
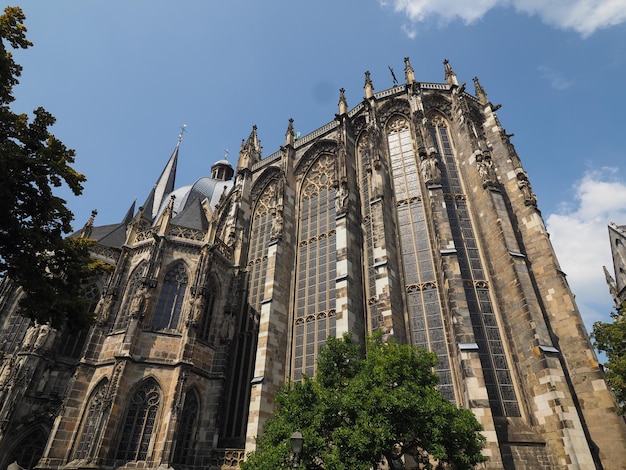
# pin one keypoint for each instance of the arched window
(316, 266)
(139, 423)
(204, 328)
(170, 303)
(92, 421)
(184, 452)
(30, 449)
(134, 282)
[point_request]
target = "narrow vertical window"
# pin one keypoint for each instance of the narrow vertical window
(316, 266)
(183, 453)
(92, 421)
(204, 328)
(139, 423)
(170, 303)
(134, 282)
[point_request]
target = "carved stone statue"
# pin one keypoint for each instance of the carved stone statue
(530, 199)
(486, 170)
(341, 199)
(227, 330)
(138, 303)
(430, 169)
(276, 232)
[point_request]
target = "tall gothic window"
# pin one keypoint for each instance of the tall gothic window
(316, 266)
(134, 282)
(92, 421)
(497, 375)
(204, 328)
(244, 343)
(170, 303)
(184, 452)
(139, 423)
(423, 297)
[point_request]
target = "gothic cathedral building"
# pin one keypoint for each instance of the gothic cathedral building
(410, 213)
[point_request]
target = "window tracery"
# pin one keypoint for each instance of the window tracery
(316, 265)
(139, 423)
(92, 421)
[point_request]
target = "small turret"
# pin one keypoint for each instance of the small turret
(450, 75)
(409, 73)
(222, 170)
(343, 102)
(369, 87)
(250, 152)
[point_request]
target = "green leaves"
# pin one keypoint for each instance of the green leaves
(358, 411)
(610, 338)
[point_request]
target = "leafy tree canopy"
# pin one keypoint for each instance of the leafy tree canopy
(359, 411)
(610, 338)
(34, 253)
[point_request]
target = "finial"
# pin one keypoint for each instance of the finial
(86, 231)
(289, 136)
(182, 131)
(226, 152)
(450, 75)
(343, 102)
(480, 92)
(409, 73)
(369, 87)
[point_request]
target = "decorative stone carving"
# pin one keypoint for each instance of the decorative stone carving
(485, 169)
(227, 330)
(341, 199)
(277, 224)
(530, 199)
(430, 168)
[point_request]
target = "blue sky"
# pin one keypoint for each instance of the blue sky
(122, 77)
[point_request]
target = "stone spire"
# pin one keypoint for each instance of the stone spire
(369, 87)
(450, 75)
(289, 135)
(343, 102)
(409, 73)
(480, 92)
(163, 186)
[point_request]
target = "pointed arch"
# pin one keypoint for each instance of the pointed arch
(184, 452)
(29, 447)
(134, 282)
(139, 422)
(93, 418)
(170, 302)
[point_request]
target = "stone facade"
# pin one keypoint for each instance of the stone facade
(410, 213)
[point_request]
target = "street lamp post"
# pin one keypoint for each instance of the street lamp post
(296, 447)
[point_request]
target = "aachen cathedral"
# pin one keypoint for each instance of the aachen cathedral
(409, 213)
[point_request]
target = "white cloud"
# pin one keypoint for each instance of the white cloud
(583, 16)
(580, 238)
(556, 80)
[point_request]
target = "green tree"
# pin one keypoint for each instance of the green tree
(358, 411)
(34, 252)
(610, 338)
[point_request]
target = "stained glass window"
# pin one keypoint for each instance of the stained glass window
(184, 451)
(204, 328)
(139, 423)
(134, 282)
(170, 303)
(316, 266)
(92, 421)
